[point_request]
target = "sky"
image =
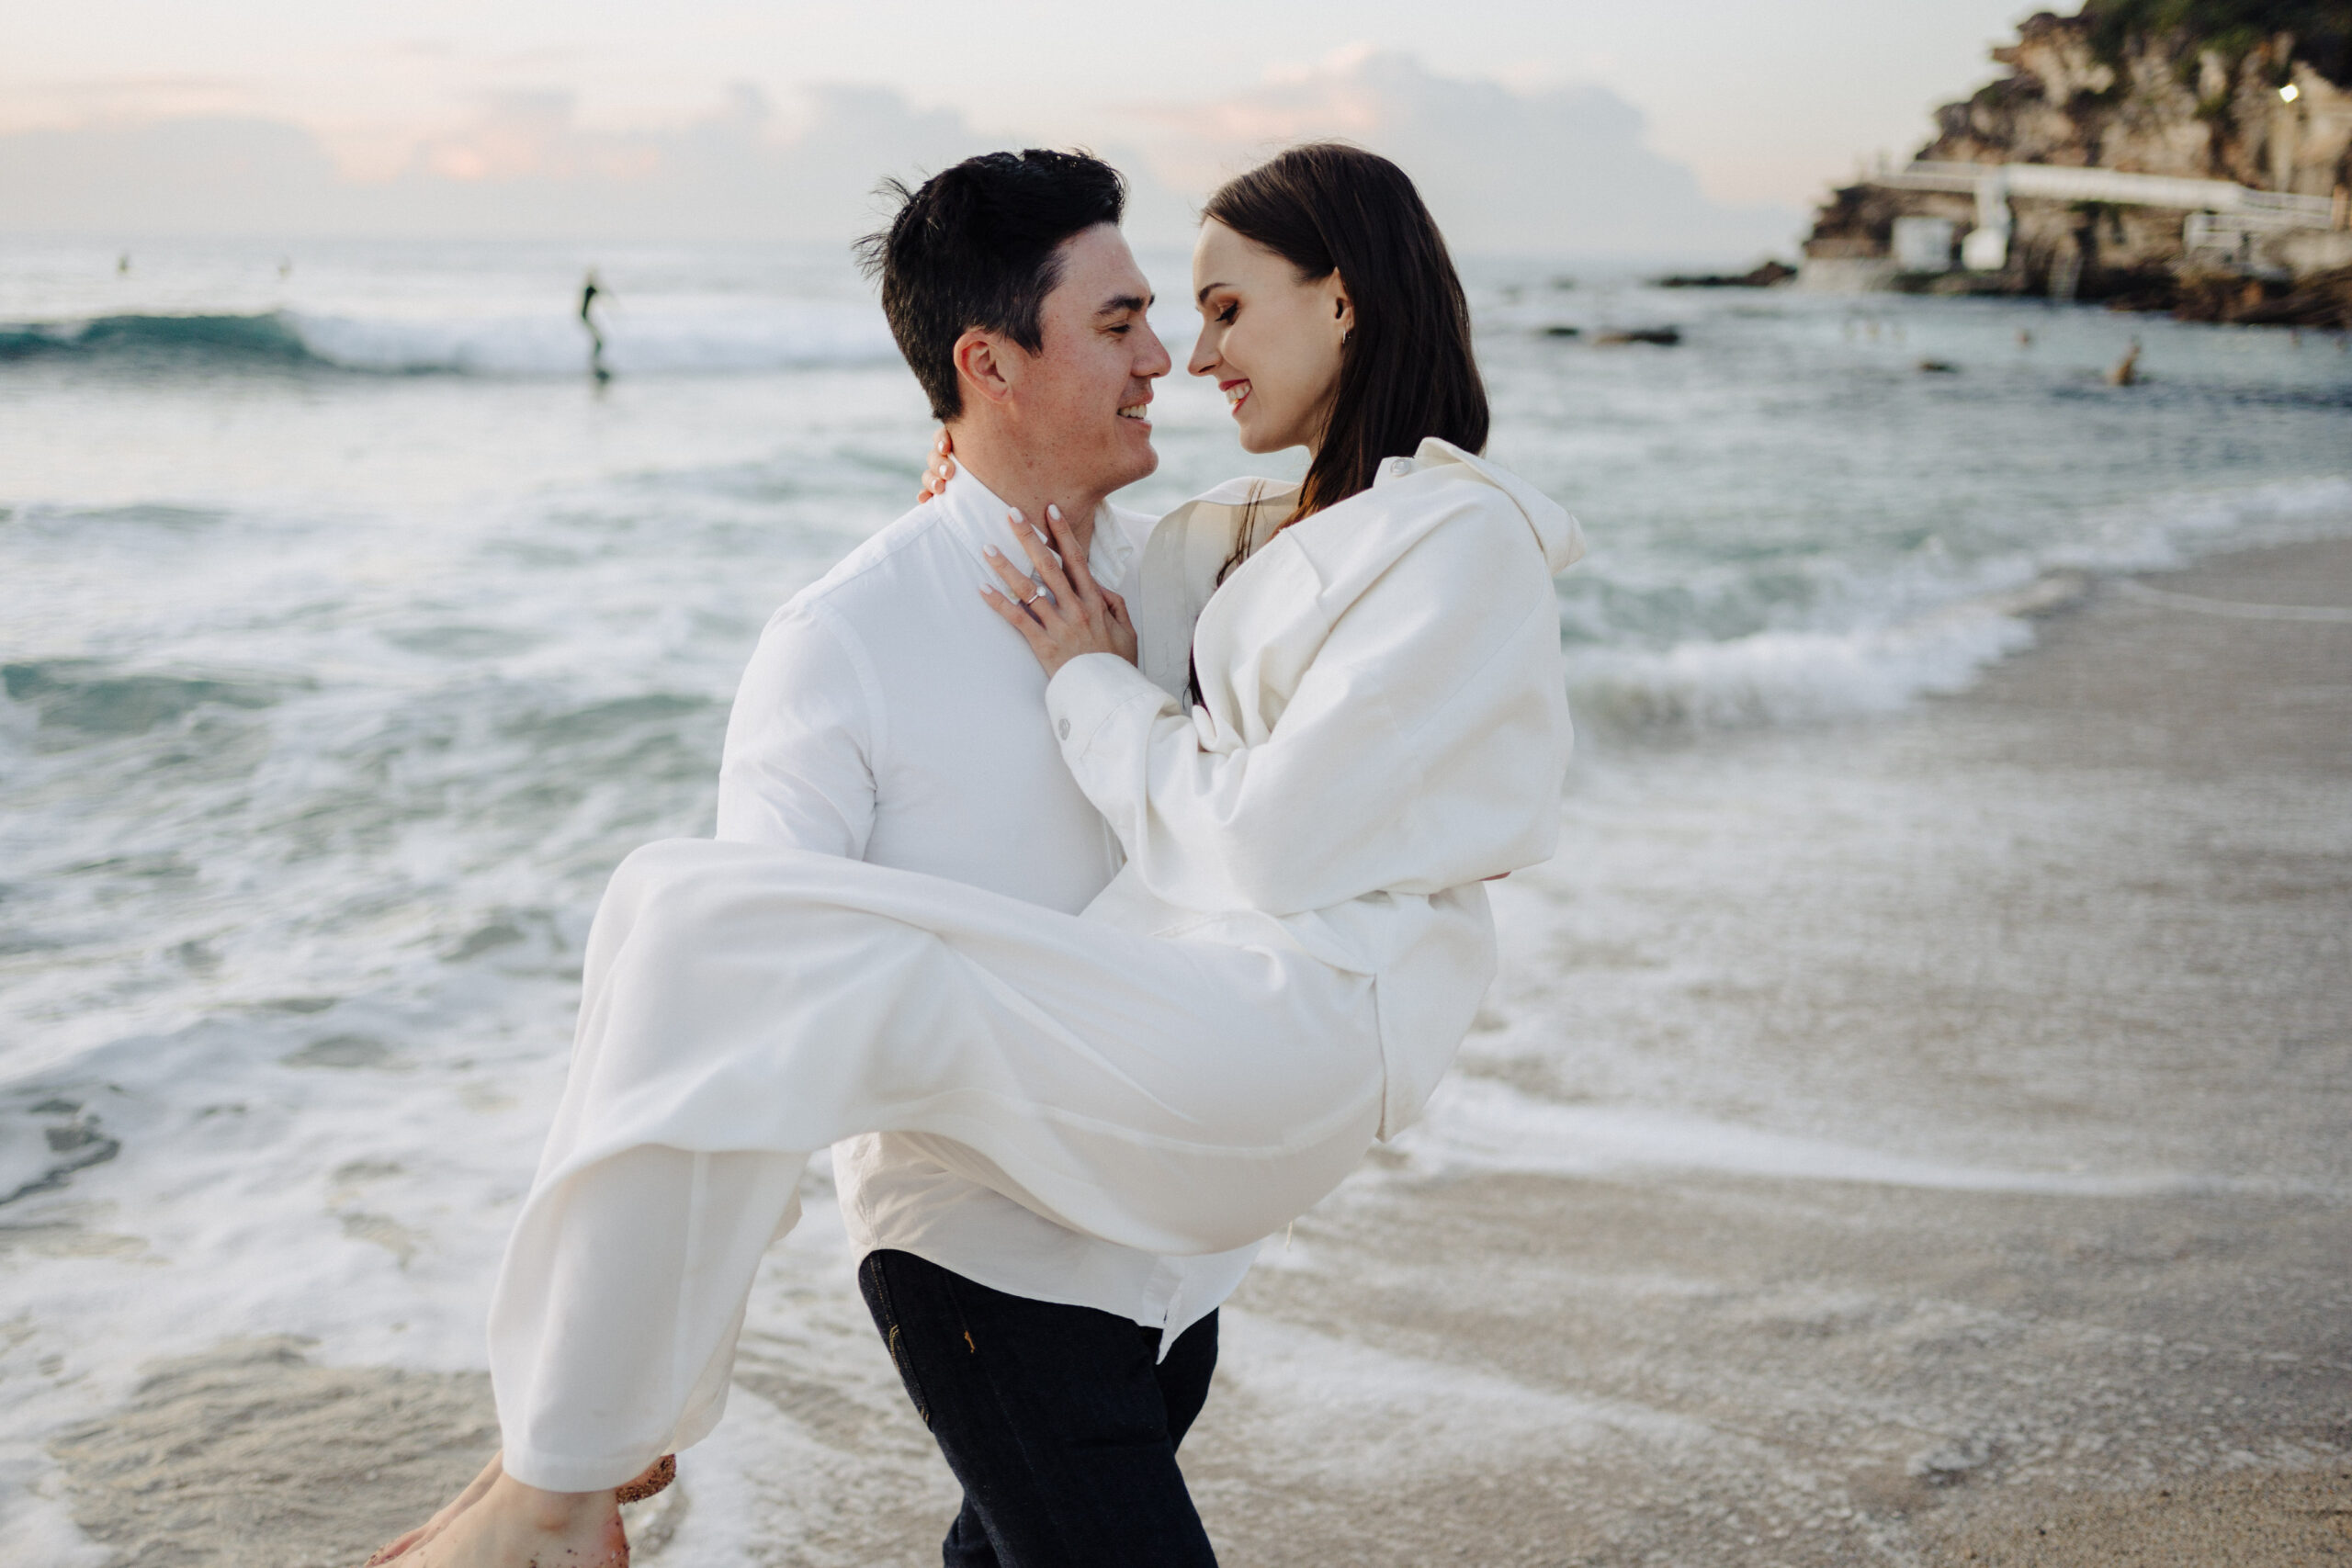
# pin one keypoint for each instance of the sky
(1699, 126)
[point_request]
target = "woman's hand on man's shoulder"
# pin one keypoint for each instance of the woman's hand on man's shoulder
(940, 470)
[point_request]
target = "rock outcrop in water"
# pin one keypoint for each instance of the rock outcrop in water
(2257, 93)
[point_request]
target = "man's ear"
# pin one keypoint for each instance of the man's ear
(986, 366)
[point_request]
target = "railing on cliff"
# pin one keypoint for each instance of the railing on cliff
(2225, 209)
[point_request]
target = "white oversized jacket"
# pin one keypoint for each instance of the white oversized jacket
(1385, 725)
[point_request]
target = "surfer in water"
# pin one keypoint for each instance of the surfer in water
(589, 289)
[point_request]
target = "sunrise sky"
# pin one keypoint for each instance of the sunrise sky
(1696, 125)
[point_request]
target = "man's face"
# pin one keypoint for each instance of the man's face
(1081, 401)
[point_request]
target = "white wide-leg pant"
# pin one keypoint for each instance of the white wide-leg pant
(744, 1006)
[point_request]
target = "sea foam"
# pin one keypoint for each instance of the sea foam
(1957, 623)
(342, 679)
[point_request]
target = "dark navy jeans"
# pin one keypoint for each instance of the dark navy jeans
(1061, 1422)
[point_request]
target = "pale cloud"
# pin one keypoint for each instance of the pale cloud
(126, 98)
(194, 176)
(1764, 103)
(518, 165)
(1505, 168)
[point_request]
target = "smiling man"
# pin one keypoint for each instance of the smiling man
(890, 716)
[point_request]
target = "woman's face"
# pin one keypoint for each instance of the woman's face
(1272, 342)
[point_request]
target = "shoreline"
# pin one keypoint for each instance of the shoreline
(2091, 913)
(2084, 923)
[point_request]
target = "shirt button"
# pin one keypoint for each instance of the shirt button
(1065, 730)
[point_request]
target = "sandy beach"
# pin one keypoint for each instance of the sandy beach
(2005, 1218)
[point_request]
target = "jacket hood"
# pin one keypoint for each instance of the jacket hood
(1556, 533)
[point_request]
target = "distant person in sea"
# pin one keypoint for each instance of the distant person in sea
(122, 264)
(1101, 930)
(590, 291)
(2126, 372)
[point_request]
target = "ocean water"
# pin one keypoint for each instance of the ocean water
(350, 634)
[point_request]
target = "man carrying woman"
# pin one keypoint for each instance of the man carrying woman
(1312, 721)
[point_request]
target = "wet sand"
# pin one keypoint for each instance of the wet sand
(2074, 946)
(2090, 923)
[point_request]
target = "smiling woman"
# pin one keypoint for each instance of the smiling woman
(1333, 319)
(1364, 258)
(1278, 368)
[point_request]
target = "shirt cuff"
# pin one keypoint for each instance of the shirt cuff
(1090, 692)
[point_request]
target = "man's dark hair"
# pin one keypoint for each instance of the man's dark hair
(976, 246)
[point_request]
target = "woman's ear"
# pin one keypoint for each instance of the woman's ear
(1343, 309)
(981, 366)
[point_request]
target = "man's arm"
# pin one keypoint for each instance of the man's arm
(797, 770)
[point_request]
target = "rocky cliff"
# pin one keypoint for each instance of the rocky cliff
(2255, 92)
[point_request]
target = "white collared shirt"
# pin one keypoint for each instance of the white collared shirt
(888, 715)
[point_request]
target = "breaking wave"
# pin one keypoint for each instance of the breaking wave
(1790, 677)
(1811, 674)
(765, 338)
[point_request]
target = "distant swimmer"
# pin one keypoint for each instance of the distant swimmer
(2025, 337)
(285, 268)
(122, 264)
(589, 289)
(2127, 369)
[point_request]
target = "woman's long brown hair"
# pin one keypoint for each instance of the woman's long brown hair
(1406, 370)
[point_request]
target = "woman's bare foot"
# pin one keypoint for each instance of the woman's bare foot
(515, 1525)
(655, 1478)
(440, 1521)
